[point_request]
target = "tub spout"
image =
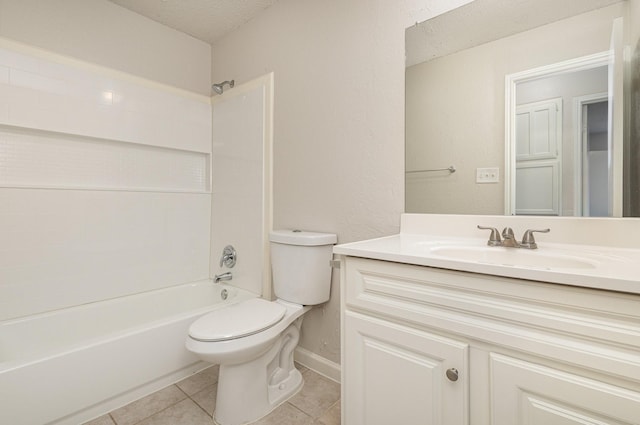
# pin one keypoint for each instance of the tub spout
(223, 276)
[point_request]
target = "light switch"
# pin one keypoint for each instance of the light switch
(488, 175)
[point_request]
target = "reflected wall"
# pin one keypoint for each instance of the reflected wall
(455, 110)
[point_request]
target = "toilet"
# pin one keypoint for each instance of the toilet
(253, 340)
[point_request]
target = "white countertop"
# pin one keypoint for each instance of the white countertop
(608, 268)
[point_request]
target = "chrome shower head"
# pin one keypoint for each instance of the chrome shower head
(219, 88)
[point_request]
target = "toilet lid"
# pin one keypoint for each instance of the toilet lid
(237, 320)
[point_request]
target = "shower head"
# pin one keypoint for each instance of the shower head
(219, 88)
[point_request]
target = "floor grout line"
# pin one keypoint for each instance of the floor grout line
(162, 410)
(201, 408)
(298, 409)
(308, 417)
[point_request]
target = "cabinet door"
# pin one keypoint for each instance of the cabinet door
(524, 393)
(394, 374)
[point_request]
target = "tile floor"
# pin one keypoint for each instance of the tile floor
(192, 401)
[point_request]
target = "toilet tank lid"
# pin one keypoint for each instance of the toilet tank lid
(300, 237)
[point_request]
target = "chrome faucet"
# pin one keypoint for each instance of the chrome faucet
(509, 240)
(223, 276)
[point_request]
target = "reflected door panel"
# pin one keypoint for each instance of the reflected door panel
(538, 163)
(537, 188)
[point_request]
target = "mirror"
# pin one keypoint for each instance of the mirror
(504, 109)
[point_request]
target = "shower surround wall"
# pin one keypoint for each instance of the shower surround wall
(105, 183)
(241, 182)
(89, 238)
(104, 192)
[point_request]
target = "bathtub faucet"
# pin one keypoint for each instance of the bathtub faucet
(223, 276)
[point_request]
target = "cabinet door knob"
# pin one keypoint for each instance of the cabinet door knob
(452, 374)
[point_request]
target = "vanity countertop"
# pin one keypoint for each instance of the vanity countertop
(600, 267)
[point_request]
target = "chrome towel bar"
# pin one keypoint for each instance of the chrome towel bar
(451, 169)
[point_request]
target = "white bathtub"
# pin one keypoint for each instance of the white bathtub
(71, 365)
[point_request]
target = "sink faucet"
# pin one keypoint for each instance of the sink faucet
(223, 276)
(509, 240)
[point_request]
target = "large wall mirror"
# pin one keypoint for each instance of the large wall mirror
(524, 107)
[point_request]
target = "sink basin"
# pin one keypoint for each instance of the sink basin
(516, 257)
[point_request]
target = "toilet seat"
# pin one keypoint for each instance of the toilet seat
(237, 320)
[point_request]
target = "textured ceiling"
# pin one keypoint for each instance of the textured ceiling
(207, 20)
(482, 21)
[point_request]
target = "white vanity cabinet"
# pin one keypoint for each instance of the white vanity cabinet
(430, 346)
(398, 374)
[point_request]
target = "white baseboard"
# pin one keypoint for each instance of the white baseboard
(318, 364)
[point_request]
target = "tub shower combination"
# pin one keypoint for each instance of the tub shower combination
(142, 334)
(108, 192)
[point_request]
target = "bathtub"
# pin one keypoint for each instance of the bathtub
(71, 365)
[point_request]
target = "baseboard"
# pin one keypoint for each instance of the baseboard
(318, 364)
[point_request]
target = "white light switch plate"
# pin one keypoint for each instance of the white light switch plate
(488, 175)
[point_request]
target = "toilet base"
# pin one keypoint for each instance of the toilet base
(277, 393)
(250, 391)
(282, 392)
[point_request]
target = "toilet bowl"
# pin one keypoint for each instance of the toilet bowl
(253, 341)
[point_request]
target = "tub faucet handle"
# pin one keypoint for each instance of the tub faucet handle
(229, 256)
(494, 237)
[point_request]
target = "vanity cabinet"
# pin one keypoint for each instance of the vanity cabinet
(430, 346)
(400, 373)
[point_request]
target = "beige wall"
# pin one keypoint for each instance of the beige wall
(339, 102)
(339, 120)
(101, 32)
(632, 168)
(634, 21)
(461, 121)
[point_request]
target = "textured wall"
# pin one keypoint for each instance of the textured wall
(339, 120)
(106, 34)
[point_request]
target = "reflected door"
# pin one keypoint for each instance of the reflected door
(538, 162)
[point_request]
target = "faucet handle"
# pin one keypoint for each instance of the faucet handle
(494, 237)
(528, 241)
(229, 256)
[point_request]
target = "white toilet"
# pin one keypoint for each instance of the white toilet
(253, 341)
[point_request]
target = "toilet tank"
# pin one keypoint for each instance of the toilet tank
(300, 265)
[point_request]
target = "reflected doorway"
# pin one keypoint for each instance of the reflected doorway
(549, 109)
(593, 124)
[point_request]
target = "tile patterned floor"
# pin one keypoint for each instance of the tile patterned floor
(192, 401)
